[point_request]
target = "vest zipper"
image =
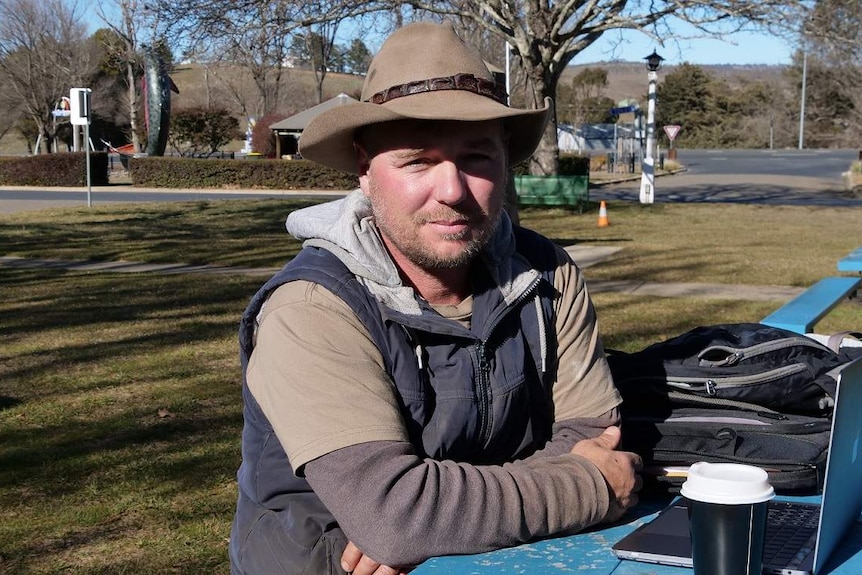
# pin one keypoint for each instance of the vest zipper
(483, 378)
(483, 393)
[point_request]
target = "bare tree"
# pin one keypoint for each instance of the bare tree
(255, 35)
(319, 41)
(43, 53)
(250, 35)
(545, 36)
(133, 22)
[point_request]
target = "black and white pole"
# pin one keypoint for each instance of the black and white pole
(79, 100)
(647, 191)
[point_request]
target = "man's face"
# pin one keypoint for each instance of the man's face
(437, 188)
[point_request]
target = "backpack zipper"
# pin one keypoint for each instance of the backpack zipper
(735, 355)
(711, 386)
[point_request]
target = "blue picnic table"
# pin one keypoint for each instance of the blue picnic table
(590, 553)
(852, 262)
(804, 311)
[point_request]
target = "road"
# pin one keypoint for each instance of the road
(789, 177)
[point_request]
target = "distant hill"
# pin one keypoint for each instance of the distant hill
(629, 79)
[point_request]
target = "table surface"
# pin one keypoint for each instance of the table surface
(852, 262)
(590, 552)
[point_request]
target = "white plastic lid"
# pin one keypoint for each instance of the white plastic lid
(727, 483)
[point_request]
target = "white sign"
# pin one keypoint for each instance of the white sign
(79, 101)
(672, 131)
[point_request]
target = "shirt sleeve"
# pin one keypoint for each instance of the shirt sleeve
(400, 509)
(318, 376)
(584, 386)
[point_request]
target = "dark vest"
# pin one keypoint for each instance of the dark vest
(476, 395)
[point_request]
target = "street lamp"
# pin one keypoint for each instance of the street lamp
(653, 63)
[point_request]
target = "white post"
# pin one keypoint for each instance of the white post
(648, 165)
(87, 157)
(508, 69)
(802, 98)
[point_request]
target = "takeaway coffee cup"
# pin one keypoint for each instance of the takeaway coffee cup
(727, 517)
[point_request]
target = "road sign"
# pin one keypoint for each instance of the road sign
(671, 131)
(624, 109)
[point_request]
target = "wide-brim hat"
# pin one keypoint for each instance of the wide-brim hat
(423, 71)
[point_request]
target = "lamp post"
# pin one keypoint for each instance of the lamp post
(653, 63)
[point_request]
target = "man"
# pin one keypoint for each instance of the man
(424, 378)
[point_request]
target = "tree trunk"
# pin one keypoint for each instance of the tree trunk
(133, 107)
(545, 160)
(512, 200)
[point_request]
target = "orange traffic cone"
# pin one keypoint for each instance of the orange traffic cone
(603, 215)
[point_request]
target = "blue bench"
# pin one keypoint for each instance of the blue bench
(802, 312)
(851, 263)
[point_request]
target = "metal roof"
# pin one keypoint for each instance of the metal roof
(297, 122)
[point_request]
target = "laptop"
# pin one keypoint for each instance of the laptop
(799, 536)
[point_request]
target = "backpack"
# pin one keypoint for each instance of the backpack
(742, 393)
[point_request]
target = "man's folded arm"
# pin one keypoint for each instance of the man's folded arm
(400, 509)
(567, 433)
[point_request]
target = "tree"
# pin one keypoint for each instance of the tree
(318, 42)
(543, 35)
(357, 58)
(688, 97)
(583, 102)
(547, 35)
(128, 20)
(43, 53)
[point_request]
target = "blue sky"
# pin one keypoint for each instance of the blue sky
(742, 48)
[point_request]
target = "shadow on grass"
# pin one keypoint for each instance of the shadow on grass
(120, 399)
(248, 233)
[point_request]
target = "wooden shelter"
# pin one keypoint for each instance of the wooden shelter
(288, 131)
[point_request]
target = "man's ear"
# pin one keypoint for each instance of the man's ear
(363, 163)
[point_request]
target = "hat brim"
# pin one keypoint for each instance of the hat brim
(328, 138)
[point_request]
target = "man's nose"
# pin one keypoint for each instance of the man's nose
(450, 183)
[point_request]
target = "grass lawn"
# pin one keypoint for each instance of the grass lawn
(120, 406)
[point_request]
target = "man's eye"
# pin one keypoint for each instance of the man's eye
(480, 157)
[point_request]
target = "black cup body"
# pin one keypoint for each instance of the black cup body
(727, 539)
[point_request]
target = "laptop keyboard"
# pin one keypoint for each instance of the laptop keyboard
(790, 534)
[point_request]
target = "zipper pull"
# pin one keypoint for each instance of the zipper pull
(710, 387)
(772, 415)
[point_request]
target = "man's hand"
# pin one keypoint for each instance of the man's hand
(619, 468)
(355, 561)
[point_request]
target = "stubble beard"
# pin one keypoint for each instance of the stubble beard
(407, 240)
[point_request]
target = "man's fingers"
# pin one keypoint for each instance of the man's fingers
(610, 437)
(350, 557)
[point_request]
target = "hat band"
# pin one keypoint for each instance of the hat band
(467, 82)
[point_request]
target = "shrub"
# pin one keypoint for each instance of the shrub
(45, 170)
(262, 138)
(199, 131)
(167, 172)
